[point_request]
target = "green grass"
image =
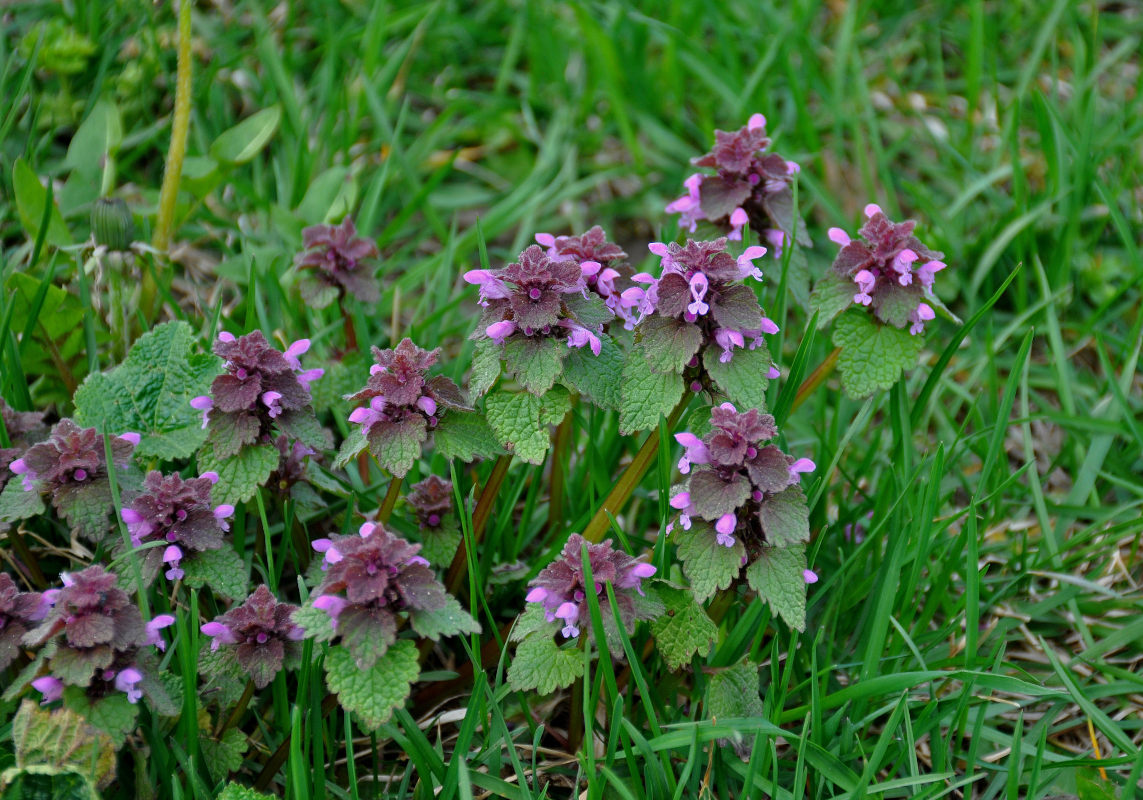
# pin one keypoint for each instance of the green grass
(992, 607)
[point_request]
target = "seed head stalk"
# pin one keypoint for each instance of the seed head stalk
(180, 125)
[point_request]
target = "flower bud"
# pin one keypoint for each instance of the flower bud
(112, 223)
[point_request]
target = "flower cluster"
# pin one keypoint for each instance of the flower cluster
(603, 265)
(262, 387)
(402, 403)
(291, 464)
(179, 513)
(336, 261)
(700, 285)
(537, 297)
(19, 612)
(431, 501)
(561, 588)
(369, 580)
(70, 467)
(741, 479)
(96, 635)
(891, 270)
(262, 633)
(750, 187)
(23, 428)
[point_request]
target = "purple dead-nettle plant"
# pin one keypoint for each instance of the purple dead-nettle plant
(19, 613)
(94, 638)
(698, 317)
(890, 271)
(561, 587)
(69, 466)
(261, 634)
(262, 390)
(535, 311)
(180, 514)
(401, 404)
(371, 581)
(750, 187)
(603, 265)
(740, 476)
(293, 458)
(24, 428)
(337, 262)
(431, 501)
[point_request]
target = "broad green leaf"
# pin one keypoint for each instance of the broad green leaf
(51, 783)
(225, 678)
(150, 393)
(62, 739)
(646, 395)
(97, 139)
(685, 628)
(515, 419)
(596, 377)
(113, 714)
(440, 543)
(86, 508)
(778, 575)
(666, 343)
(235, 791)
(532, 619)
(449, 620)
(872, 355)
(372, 694)
(485, 367)
(354, 443)
(732, 693)
(301, 424)
(16, 504)
(242, 142)
(397, 445)
(535, 361)
(330, 196)
(744, 378)
(30, 197)
(542, 665)
(589, 311)
(223, 570)
(465, 437)
(315, 622)
(554, 406)
(785, 517)
(832, 295)
(224, 756)
(239, 477)
(707, 564)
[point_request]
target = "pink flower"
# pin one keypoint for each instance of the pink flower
(738, 220)
(204, 404)
(50, 687)
(499, 331)
(695, 451)
(154, 626)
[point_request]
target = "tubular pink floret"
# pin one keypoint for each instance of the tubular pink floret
(838, 236)
(755, 122)
(499, 331)
(872, 209)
